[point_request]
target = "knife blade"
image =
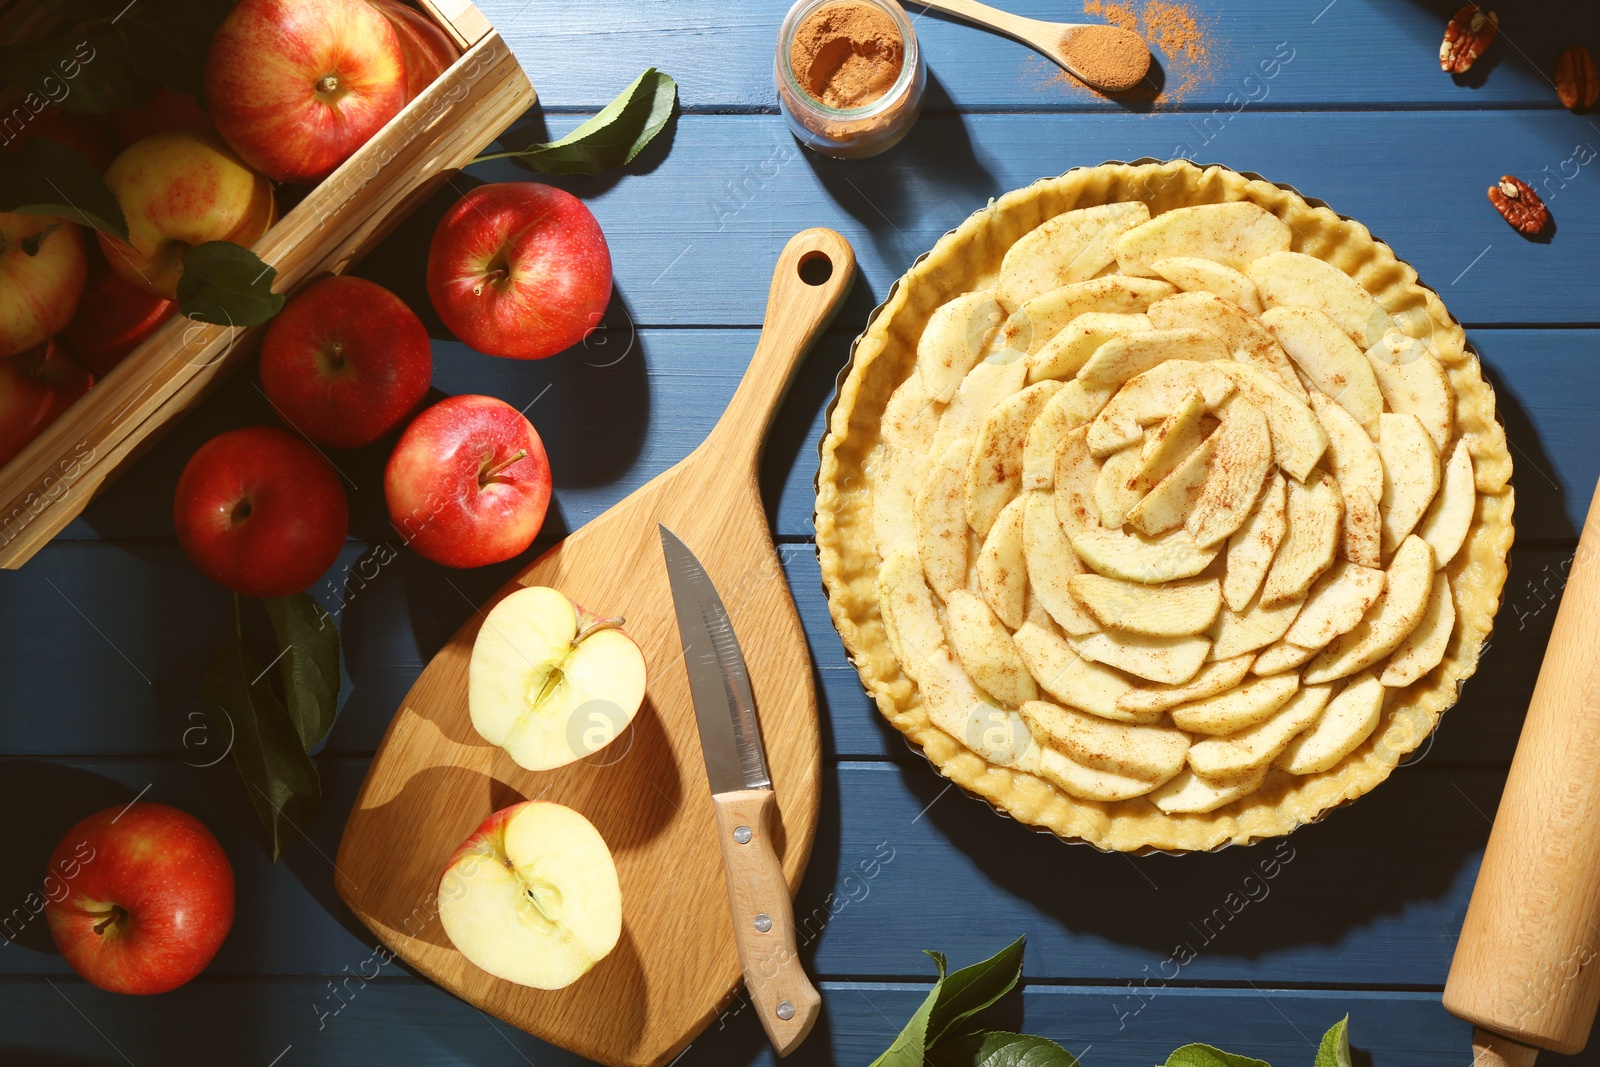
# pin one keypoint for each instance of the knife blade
(743, 802)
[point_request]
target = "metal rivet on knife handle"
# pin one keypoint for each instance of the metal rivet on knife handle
(741, 834)
(763, 922)
(785, 1010)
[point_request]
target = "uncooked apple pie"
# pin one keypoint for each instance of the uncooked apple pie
(1162, 508)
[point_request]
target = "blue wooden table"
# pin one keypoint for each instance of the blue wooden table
(104, 636)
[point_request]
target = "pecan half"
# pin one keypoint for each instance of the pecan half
(1577, 83)
(1468, 34)
(1519, 204)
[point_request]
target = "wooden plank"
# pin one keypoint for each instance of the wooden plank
(404, 1020)
(683, 240)
(138, 625)
(1366, 53)
(1327, 912)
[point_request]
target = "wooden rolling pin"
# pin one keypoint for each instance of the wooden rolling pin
(1527, 968)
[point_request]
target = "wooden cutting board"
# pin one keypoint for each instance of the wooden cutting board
(434, 779)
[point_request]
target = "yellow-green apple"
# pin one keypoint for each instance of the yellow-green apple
(532, 896)
(345, 361)
(179, 189)
(260, 512)
(147, 898)
(428, 50)
(42, 271)
(519, 270)
(550, 682)
(113, 317)
(48, 370)
(468, 482)
(296, 86)
(162, 110)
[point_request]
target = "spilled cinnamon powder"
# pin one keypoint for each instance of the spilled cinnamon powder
(847, 55)
(1172, 28)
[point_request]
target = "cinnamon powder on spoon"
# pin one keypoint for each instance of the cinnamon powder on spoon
(847, 55)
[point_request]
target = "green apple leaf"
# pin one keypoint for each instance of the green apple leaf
(1206, 1056)
(1334, 1051)
(910, 1047)
(612, 138)
(279, 777)
(308, 640)
(972, 989)
(999, 1048)
(227, 285)
(90, 71)
(46, 178)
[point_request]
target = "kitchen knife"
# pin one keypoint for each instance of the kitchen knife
(742, 798)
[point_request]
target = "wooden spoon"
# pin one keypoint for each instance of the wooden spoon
(1105, 57)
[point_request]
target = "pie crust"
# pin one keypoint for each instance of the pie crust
(968, 260)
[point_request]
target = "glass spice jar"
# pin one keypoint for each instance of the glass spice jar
(850, 132)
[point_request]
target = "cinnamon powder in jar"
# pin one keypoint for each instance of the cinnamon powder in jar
(847, 55)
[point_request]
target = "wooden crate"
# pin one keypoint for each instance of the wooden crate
(51, 481)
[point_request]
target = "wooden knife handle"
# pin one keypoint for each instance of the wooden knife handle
(811, 280)
(1526, 965)
(763, 918)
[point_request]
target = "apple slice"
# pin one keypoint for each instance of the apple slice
(549, 682)
(1316, 511)
(1151, 397)
(1073, 405)
(1051, 564)
(1002, 568)
(1075, 681)
(1114, 492)
(1411, 475)
(1205, 275)
(990, 382)
(1424, 647)
(1128, 355)
(1398, 612)
(986, 651)
(1414, 383)
(894, 492)
(1213, 678)
(1073, 246)
(1167, 660)
(1237, 709)
(1329, 360)
(1344, 724)
(1168, 505)
(1242, 755)
(1294, 278)
(1149, 753)
(1234, 234)
(1248, 340)
(1252, 546)
(994, 472)
(1032, 325)
(911, 417)
(1190, 794)
(1448, 520)
(532, 896)
(939, 512)
(1298, 440)
(1069, 350)
(1087, 783)
(954, 340)
(1234, 477)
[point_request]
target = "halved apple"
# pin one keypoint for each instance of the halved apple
(532, 896)
(1206, 275)
(550, 682)
(1235, 234)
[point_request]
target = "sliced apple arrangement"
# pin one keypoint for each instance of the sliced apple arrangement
(1167, 511)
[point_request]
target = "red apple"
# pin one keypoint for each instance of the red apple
(42, 271)
(162, 111)
(87, 135)
(296, 86)
(113, 317)
(345, 361)
(468, 483)
(179, 189)
(48, 369)
(260, 512)
(145, 898)
(519, 270)
(428, 50)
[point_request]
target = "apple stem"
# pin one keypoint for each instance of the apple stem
(596, 626)
(336, 357)
(489, 475)
(492, 277)
(329, 83)
(113, 917)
